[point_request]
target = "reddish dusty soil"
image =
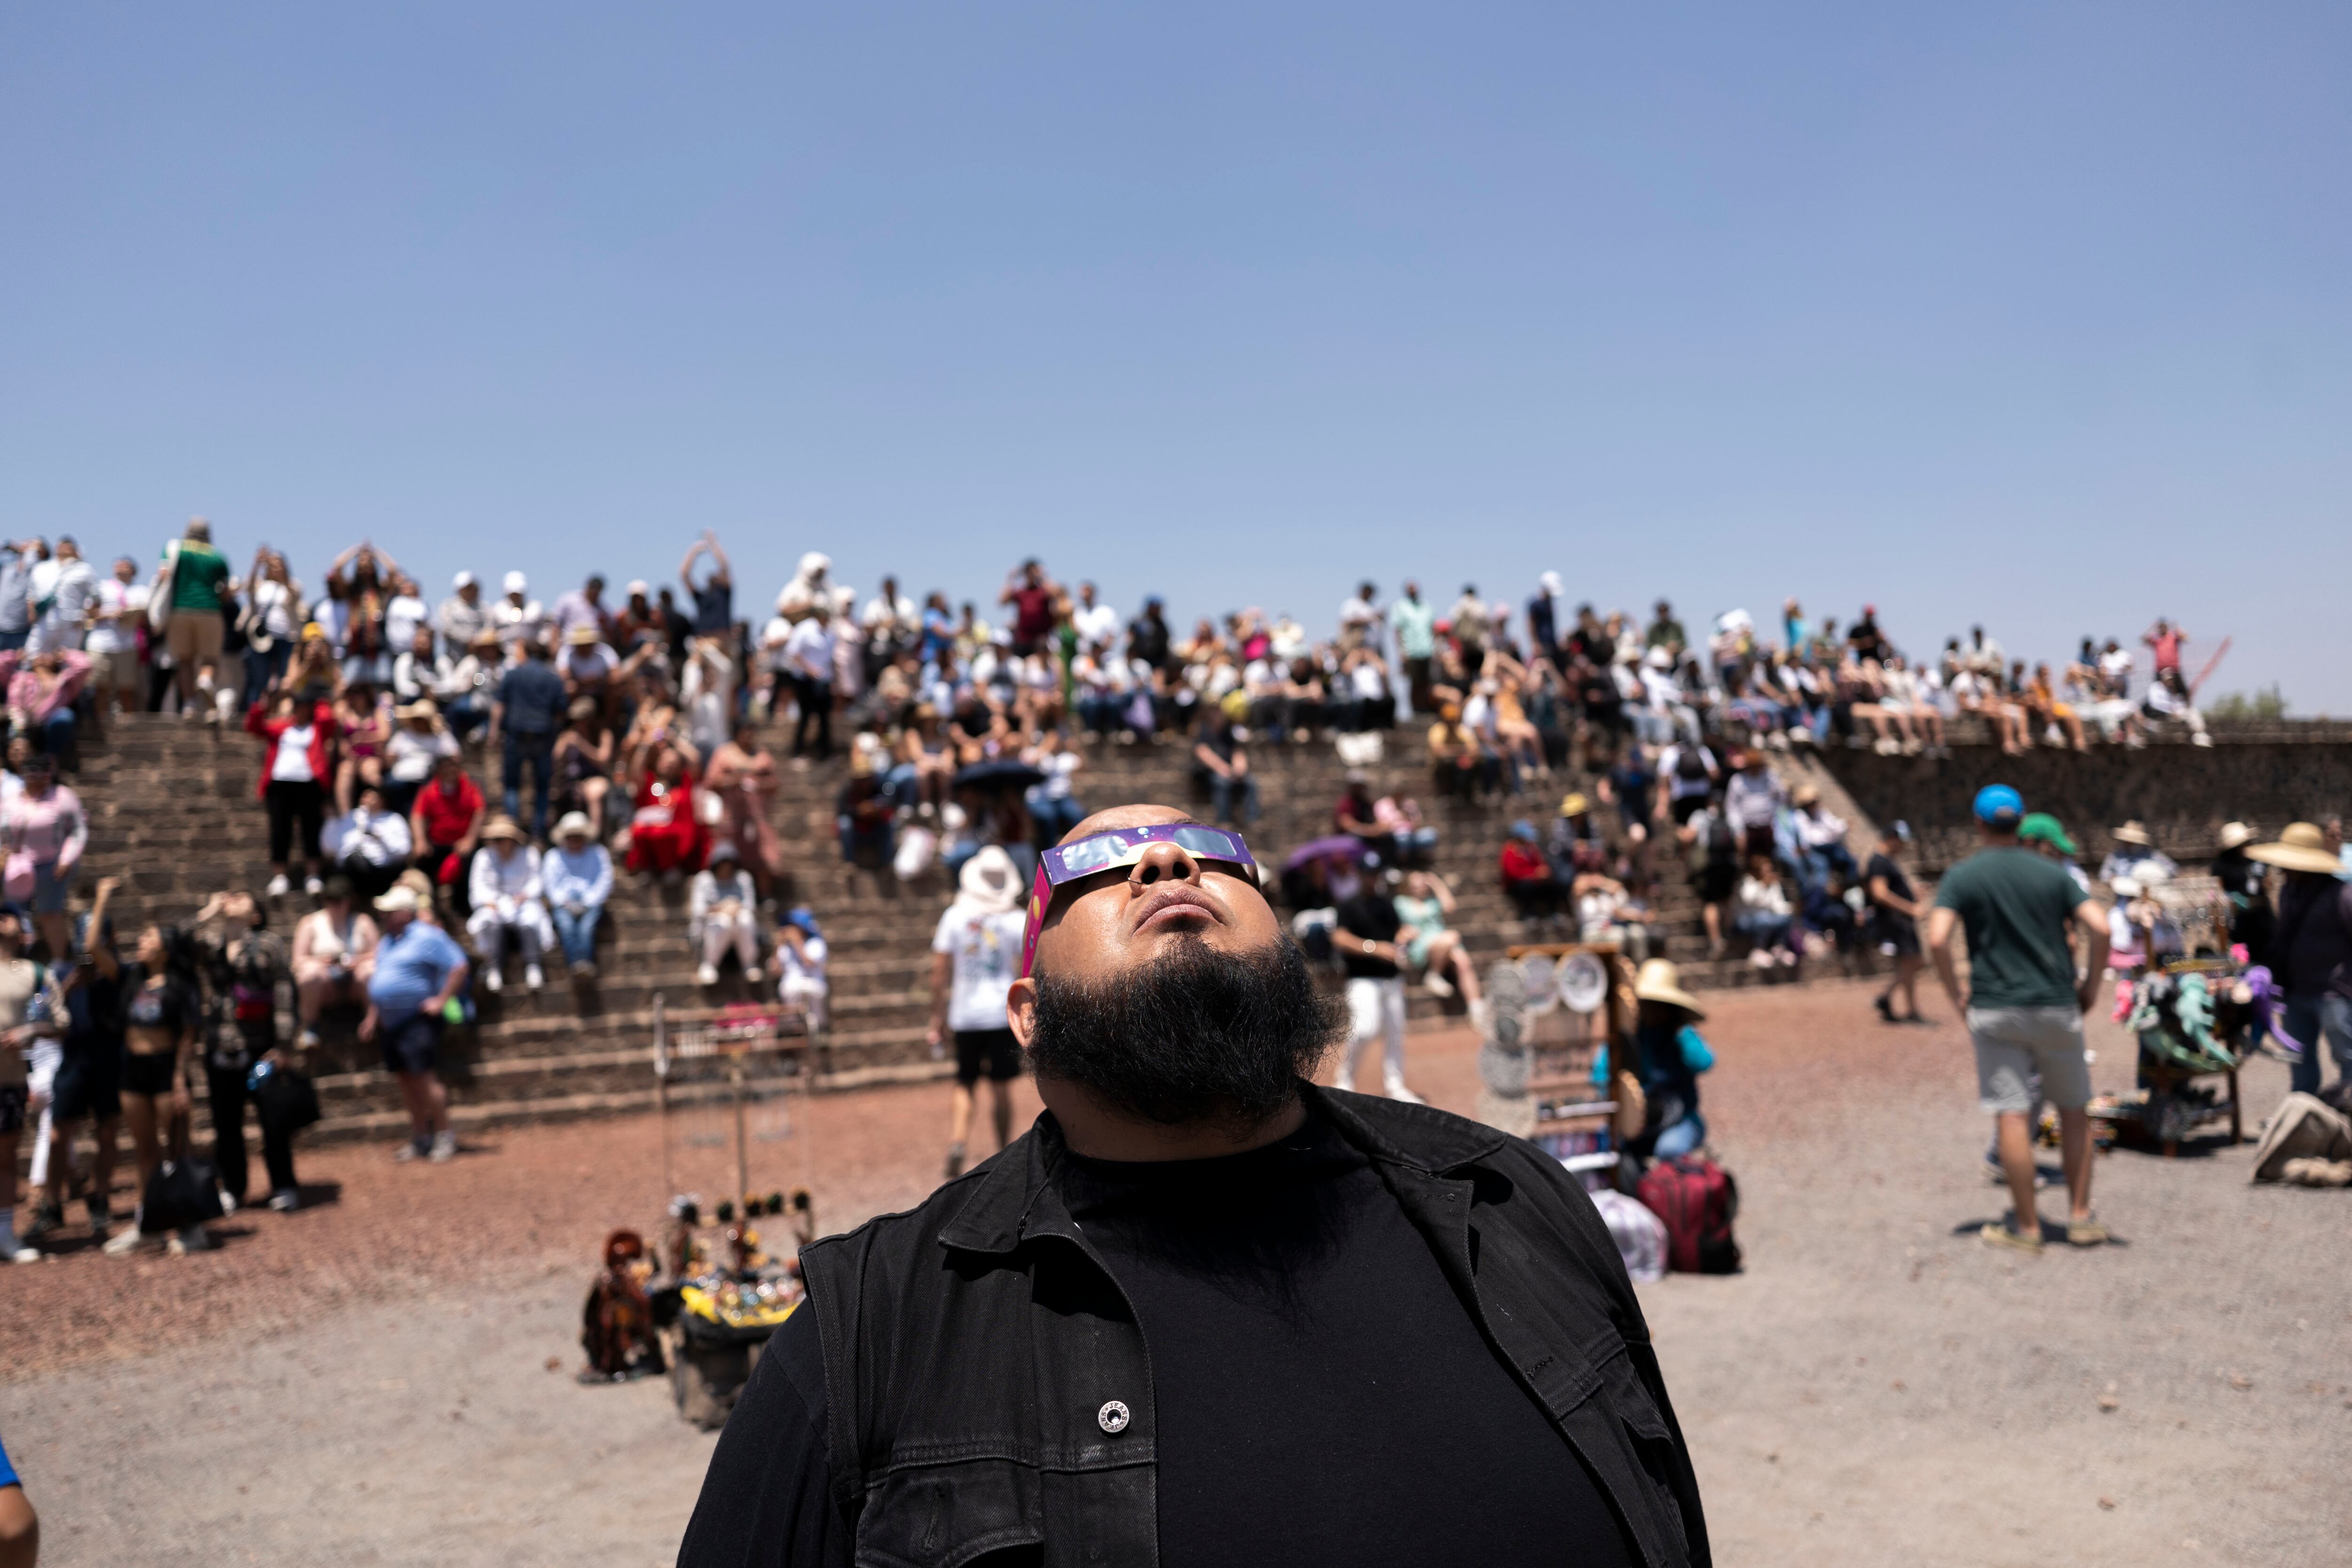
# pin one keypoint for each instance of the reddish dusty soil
(1877, 1386)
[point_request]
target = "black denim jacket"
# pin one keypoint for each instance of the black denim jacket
(990, 1388)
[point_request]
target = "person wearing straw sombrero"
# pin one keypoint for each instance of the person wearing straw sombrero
(1672, 1056)
(2311, 953)
(2135, 853)
(2245, 882)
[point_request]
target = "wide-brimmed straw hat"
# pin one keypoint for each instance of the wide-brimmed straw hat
(573, 822)
(1574, 804)
(2132, 832)
(991, 880)
(2301, 847)
(502, 827)
(2234, 833)
(422, 708)
(1659, 980)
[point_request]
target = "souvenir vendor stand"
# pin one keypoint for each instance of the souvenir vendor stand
(732, 1093)
(2197, 1015)
(1549, 1085)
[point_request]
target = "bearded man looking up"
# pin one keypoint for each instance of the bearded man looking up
(1205, 1312)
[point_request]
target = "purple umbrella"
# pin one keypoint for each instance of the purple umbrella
(1344, 846)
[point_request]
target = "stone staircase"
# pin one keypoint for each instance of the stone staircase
(174, 815)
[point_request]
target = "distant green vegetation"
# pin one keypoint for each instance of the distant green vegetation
(2263, 704)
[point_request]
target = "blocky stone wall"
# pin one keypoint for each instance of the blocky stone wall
(2265, 776)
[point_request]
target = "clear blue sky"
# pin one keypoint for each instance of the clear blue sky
(2040, 314)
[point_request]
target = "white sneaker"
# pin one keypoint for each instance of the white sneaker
(1482, 1018)
(285, 1200)
(278, 887)
(123, 1243)
(751, 972)
(312, 886)
(23, 1254)
(706, 975)
(191, 1238)
(445, 1146)
(1438, 984)
(532, 977)
(1761, 958)
(1397, 1090)
(494, 979)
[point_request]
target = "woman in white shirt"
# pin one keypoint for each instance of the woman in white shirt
(723, 915)
(272, 620)
(1763, 914)
(506, 896)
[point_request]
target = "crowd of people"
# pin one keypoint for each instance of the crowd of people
(623, 732)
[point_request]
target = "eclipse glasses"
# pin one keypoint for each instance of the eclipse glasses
(1118, 847)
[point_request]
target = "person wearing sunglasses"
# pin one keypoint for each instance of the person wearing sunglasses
(1204, 1311)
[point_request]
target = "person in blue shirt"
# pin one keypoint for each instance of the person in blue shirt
(20, 1528)
(1672, 1056)
(527, 709)
(418, 972)
(576, 878)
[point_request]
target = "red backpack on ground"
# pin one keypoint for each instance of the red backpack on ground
(1697, 1199)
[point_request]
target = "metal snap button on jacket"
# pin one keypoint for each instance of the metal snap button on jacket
(1112, 1416)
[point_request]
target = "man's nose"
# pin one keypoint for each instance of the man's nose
(1165, 862)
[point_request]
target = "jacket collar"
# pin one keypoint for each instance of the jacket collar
(1013, 1197)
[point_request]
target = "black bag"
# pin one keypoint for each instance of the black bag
(286, 1100)
(180, 1194)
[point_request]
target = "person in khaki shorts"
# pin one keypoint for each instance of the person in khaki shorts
(196, 575)
(2025, 1004)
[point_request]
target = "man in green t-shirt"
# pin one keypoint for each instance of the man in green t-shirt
(200, 579)
(2025, 1004)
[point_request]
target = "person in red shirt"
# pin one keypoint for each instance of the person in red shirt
(446, 823)
(2165, 639)
(667, 837)
(1527, 875)
(1031, 595)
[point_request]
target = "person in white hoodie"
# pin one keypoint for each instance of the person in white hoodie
(506, 896)
(724, 912)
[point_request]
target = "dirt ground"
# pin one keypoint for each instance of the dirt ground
(367, 1382)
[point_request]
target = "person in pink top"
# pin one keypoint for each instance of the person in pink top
(44, 833)
(41, 693)
(2166, 640)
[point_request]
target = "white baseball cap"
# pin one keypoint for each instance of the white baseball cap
(463, 580)
(517, 582)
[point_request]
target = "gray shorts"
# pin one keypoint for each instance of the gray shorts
(2014, 1043)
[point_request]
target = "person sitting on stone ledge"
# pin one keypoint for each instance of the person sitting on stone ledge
(507, 897)
(332, 946)
(369, 843)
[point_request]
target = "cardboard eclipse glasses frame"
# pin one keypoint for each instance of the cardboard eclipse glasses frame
(1118, 847)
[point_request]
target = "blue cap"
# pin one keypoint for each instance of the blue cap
(1997, 805)
(1524, 829)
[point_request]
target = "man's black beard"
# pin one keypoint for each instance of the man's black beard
(1196, 1035)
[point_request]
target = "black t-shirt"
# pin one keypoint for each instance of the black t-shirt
(1368, 914)
(171, 1008)
(1322, 1393)
(1896, 883)
(714, 608)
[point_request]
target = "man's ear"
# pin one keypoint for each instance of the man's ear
(1021, 1010)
